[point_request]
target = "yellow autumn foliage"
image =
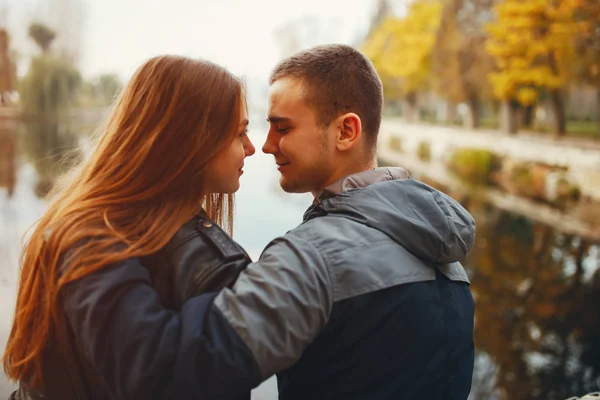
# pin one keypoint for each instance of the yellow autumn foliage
(400, 48)
(531, 42)
(587, 17)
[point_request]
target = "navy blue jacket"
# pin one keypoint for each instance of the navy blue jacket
(70, 370)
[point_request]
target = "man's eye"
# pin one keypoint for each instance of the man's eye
(283, 130)
(244, 133)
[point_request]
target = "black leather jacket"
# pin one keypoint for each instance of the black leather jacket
(200, 258)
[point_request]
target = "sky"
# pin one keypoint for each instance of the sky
(236, 33)
(118, 35)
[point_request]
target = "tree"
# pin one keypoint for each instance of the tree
(100, 91)
(108, 87)
(306, 31)
(400, 49)
(42, 35)
(460, 62)
(7, 66)
(50, 87)
(382, 11)
(527, 40)
(47, 93)
(587, 13)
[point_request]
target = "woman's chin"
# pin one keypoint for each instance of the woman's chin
(234, 188)
(228, 189)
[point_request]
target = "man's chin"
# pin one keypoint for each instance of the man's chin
(290, 187)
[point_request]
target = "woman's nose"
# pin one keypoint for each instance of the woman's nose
(249, 148)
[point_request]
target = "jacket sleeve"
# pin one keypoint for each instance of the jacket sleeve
(279, 304)
(136, 345)
(208, 350)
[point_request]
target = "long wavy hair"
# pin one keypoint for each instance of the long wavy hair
(142, 182)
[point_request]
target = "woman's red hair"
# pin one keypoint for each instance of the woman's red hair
(142, 182)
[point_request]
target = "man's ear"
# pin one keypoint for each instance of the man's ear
(349, 131)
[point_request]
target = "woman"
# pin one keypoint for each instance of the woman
(162, 175)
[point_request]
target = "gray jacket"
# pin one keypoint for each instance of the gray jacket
(369, 232)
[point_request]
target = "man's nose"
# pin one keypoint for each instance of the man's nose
(270, 146)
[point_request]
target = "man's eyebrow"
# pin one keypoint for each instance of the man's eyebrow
(276, 120)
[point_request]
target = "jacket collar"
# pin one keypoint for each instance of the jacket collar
(362, 179)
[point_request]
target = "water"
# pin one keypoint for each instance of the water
(537, 293)
(537, 290)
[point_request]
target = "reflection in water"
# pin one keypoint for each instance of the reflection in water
(48, 93)
(537, 318)
(8, 159)
(51, 146)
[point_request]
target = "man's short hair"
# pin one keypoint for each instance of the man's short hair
(337, 79)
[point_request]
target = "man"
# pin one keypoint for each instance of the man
(366, 299)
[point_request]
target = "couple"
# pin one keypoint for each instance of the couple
(132, 289)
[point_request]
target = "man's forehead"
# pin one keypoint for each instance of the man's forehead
(287, 89)
(286, 95)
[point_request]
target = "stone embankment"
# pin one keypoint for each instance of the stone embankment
(554, 181)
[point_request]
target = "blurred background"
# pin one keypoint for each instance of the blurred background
(495, 102)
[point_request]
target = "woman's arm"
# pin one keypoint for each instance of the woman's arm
(134, 343)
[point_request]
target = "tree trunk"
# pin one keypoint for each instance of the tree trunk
(472, 117)
(411, 112)
(528, 116)
(451, 113)
(558, 107)
(556, 99)
(445, 112)
(598, 112)
(508, 118)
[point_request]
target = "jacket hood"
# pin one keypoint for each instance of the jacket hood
(425, 221)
